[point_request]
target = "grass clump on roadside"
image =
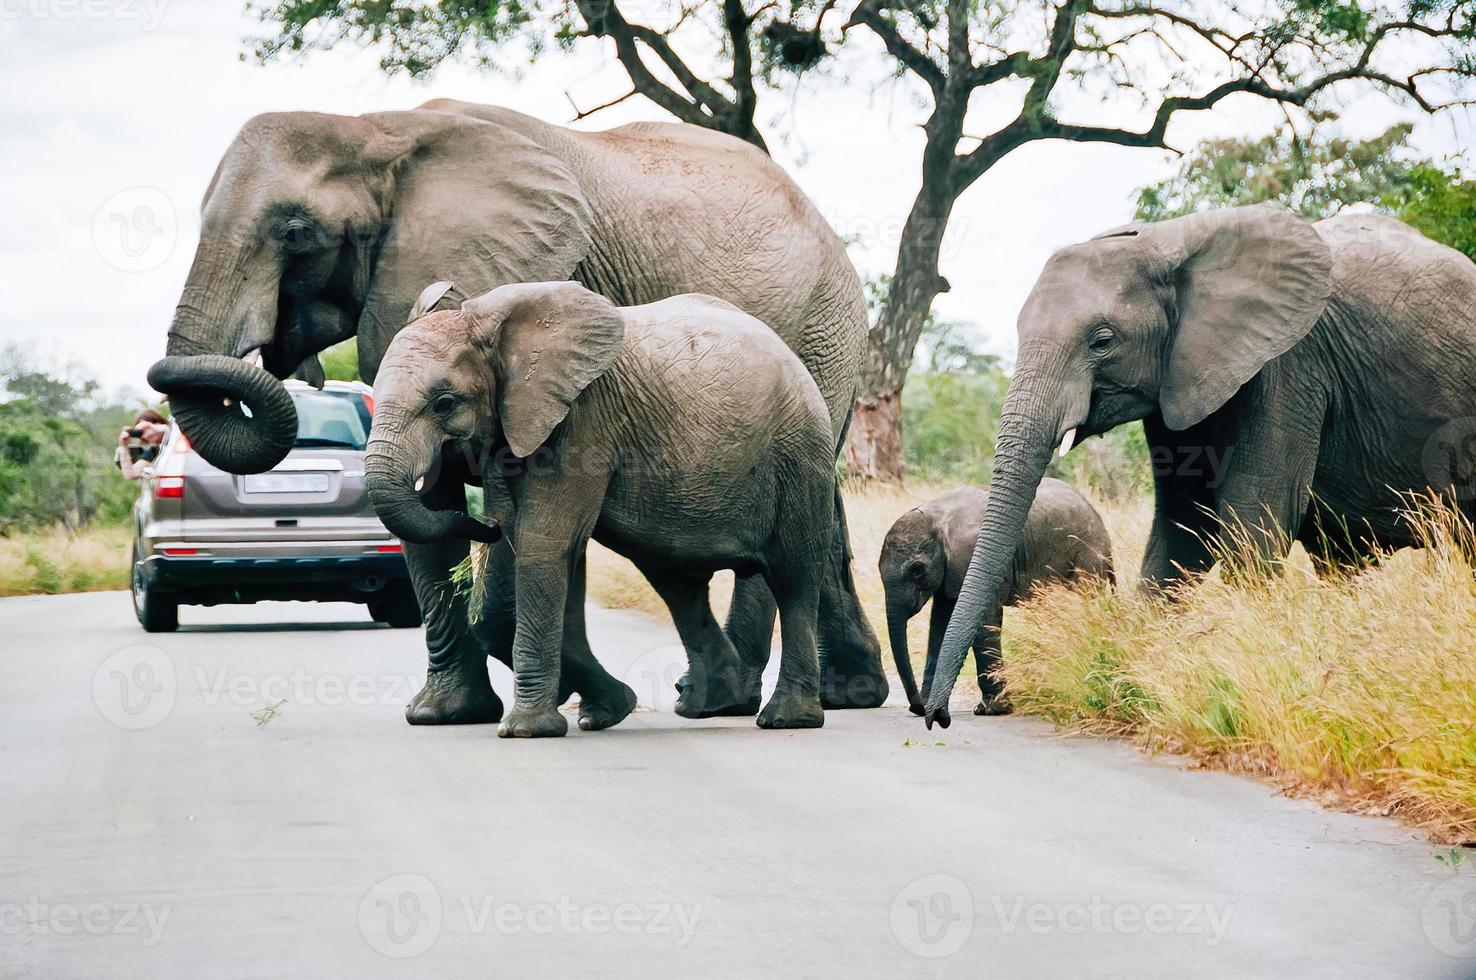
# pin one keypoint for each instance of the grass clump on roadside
(55, 561)
(1360, 688)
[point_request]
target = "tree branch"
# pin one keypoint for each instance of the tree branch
(868, 13)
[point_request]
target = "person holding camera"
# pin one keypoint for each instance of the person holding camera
(138, 444)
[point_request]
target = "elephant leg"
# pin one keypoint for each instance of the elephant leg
(796, 701)
(1184, 521)
(603, 700)
(543, 576)
(851, 673)
(992, 697)
(1264, 498)
(750, 628)
(718, 682)
(457, 689)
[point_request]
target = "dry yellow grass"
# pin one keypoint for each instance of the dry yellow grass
(1360, 690)
(56, 561)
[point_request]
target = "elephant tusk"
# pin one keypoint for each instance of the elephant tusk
(419, 484)
(1066, 441)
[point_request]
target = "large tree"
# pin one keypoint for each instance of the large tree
(1070, 69)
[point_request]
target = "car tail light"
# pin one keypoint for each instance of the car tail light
(389, 549)
(169, 477)
(369, 402)
(179, 552)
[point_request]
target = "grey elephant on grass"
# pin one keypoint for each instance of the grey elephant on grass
(926, 554)
(316, 228)
(683, 435)
(1294, 380)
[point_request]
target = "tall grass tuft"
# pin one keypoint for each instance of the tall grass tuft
(1361, 687)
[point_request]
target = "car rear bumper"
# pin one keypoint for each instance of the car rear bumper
(208, 581)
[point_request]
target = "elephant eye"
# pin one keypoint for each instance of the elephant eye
(296, 235)
(444, 404)
(1102, 339)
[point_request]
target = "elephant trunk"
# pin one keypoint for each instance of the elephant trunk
(1029, 429)
(203, 373)
(207, 394)
(390, 484)
(897, 619)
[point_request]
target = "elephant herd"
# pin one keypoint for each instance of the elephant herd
(648, 336)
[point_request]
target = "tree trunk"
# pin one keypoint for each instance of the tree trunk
(874, 443)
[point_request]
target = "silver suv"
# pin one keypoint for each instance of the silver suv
(305, 530)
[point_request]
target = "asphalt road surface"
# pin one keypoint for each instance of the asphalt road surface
(244, 799)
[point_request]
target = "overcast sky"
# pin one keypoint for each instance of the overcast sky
(115, 113)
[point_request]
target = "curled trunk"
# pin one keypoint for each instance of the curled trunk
(207, 395)
(391, 488)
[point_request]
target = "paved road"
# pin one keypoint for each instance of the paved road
(242, 799)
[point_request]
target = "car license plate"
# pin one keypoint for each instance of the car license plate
(287, 483)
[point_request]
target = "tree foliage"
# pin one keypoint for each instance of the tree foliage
(1318, 176)
(57, 437)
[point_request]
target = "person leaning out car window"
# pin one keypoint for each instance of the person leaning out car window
(138, 444)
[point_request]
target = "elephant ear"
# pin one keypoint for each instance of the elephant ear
(1250, 283)
(474, 203)
(547, 342)
(436, 296)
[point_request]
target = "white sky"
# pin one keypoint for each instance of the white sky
(116, 111)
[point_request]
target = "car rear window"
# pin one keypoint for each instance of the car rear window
(331, 419)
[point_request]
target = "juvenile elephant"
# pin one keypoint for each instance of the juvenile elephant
(317, 227)
(926, 554)
(683, 435)
(1293, 380)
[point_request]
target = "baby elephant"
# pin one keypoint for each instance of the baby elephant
(927, 552)
(683, 435)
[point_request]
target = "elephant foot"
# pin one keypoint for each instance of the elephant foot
(454, 698)
(790, 710)
(727, 695)
(533, 723)
(864, 688)
(997, 705)
(605, 709)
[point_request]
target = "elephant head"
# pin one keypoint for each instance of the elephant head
(912, 566)
(504, 369)
(1170, 318)
(317, 227)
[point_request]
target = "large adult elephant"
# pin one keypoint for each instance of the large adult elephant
(1293, 379)
(319, 227)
